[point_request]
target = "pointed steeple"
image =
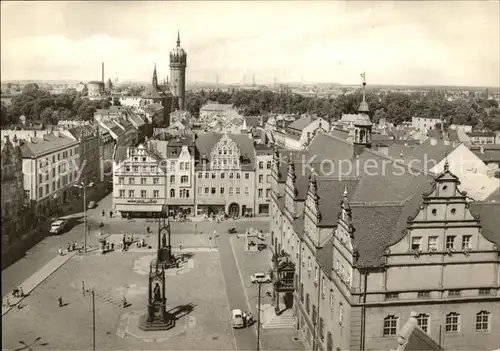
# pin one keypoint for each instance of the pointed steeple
(363, 107)
(155, 77)
(178, 38)
(446, 164)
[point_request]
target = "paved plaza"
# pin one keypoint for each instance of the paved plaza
(204, 326)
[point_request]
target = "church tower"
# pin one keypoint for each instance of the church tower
(363, 125)
(155, 78)
(178, 63)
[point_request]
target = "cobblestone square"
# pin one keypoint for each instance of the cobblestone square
(112, 276)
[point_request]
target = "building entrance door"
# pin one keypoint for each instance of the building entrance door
(234, 209)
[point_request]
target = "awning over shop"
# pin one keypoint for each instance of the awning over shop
(211, 202)
(139, 208)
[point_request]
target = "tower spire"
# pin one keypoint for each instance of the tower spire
(155, 77)
(363, 107)
(178, 38)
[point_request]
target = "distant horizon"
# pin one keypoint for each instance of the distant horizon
(191, 83)
(413, 43)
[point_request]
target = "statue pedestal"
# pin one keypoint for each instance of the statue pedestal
(159, 320)
(165, 256)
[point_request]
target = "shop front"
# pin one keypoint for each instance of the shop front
(140, 208)
(209, 210)
(180, 210)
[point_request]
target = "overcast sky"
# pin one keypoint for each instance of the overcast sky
(442, 43)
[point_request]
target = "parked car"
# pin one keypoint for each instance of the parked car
(261, 236)
(91, 205)
(260, 278)
(58, 226)
(237, 318)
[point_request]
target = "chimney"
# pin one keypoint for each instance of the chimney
(102, 72)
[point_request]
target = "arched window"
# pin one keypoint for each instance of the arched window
(307, 304)
(483, 321)
(390, 325)
(452, 322)
(423, 322)
(172, 192)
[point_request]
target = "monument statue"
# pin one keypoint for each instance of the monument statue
(164, 241)
(157, 317)
(164, 254)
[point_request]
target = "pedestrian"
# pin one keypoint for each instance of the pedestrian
(124, 302)
(60, 301)
(148, 230)
(110, 214)
(21, 292)
(103, 213)
(250, 319)
(113, 246)
(180, 246)
(244, 319)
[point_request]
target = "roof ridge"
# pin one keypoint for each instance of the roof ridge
(377, 203)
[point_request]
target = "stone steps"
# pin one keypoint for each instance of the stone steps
(285, 320)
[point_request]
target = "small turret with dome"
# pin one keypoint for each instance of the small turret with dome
(363, 125)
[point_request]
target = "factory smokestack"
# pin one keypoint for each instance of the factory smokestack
(102, 78)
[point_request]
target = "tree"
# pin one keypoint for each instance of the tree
(116, 101)
(46, 116)
(378, 115)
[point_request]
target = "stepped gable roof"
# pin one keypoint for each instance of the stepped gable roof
(48, 143)
(206, 141)
(488, 213)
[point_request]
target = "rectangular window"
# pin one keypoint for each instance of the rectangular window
(268, 193)
(246, 190)
(143, 193)
(213, 175)
(391, 296)
(122, 193)
(222, 175)
(213, 191)
(247, 175)
(184, 179)
(200, 175)
(261, 165)
(341, 314)
(238, 176)
(433, 245)
(237, 190)
(156, 193)
(206, 175)
(452, 323)
(155, 180)
(261, 178)
(131, 193)
(121, 180)
(485, 291)
(423, 294)
(231, 175)
(482, 321)
(268, 178)
(47, 188)
(454, 293)
(131, 180)
(390, 326)
(199, 190)
(450, 242)
(423, 322)
(127, 168)
(466, 242)
(206, 190)
(230, 191)
(332, 300)
(268, 165)
(222, 190)
(143, 180)
(415, 243)
(136, 169)
(260, 192)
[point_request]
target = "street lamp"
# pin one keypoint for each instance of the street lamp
(258, 315)
(84, 186)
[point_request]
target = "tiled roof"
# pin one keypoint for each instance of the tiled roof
(325, 256)
(453, 135)
(426, 153)
(153, 92)
(252, 122)
(412, 338)
(215, 107)
(489, 215)
(330, 196)
(49, 143)
(481, 134)
(339, 133)
(120, 154)
(494, 196)
(302, 122)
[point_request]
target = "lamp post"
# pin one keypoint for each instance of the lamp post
(84, 186)
(259, 298)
